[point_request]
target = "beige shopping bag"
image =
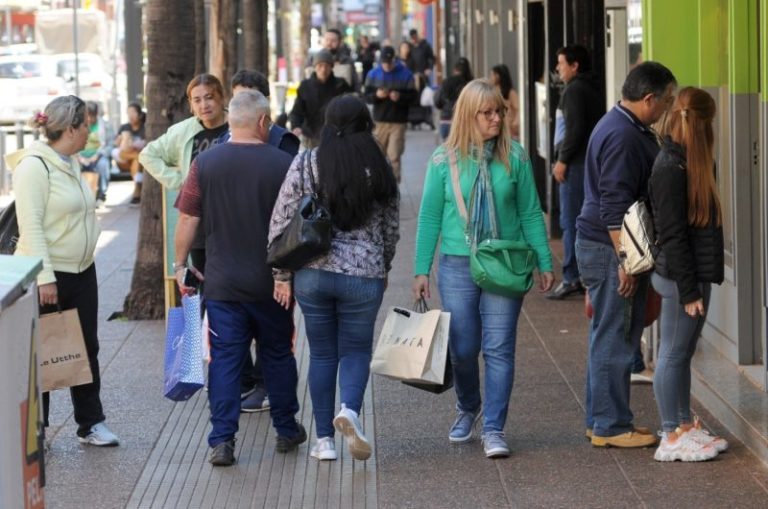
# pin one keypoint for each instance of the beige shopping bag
(413, 346)
(63, 359)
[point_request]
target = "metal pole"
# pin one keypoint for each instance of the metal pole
(76, 51)
(3, 185)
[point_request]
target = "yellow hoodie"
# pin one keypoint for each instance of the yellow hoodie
(56, 211)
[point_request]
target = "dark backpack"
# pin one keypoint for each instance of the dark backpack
(9, 224)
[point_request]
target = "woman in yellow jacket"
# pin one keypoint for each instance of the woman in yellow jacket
(56, 213)
(168, 157)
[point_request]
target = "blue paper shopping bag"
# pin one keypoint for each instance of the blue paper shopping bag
(184, 374)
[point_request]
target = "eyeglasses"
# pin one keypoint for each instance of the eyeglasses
(489, 114)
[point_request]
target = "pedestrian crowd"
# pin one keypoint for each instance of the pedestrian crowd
(239, 181)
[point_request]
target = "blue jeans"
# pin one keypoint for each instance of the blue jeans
(571, 200)
(480, 321)
(339, 314)
(614, 335)
(101, 166)
(679, 336)
(445, 129)
(233, 326)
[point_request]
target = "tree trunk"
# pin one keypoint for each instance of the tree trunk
(170, 69)
(255, 41)
(223, 52)
(200, 37)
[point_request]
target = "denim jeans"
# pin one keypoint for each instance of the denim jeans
(571, 200)
(679, 336)
(614, 335)
(101, 167)
(445, 129)
(480, 321)
(339, 314)
(233, 326)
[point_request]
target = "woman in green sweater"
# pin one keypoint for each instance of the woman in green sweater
(488, 160)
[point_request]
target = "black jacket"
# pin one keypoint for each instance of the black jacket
(583, 105)
(423, 56)
(312, 97)
(689, 255)
(448, 94)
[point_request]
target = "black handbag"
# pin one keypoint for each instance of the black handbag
(9, 229)
(308, 234)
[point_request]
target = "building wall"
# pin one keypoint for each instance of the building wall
(722, 46)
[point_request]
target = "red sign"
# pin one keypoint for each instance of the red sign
(426, 2)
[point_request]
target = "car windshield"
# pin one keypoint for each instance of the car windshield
(18, 70)
(66, 68)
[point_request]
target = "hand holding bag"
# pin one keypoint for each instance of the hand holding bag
(309, 232)
(63, 357)
(183, 370)
(504, 267)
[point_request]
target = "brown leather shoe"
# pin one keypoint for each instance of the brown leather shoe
(642, 430)
(628, 440)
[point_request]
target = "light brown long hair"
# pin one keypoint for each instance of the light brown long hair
(465, 135)
(690, 124)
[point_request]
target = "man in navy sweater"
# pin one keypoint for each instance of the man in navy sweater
(618, 164)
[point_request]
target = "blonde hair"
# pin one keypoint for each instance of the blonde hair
(465, 135)
(61, 113)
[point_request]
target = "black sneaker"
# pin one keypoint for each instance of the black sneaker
(564, 289)
(257, 401)
(223, 454)
(135, 200)
(287, 444)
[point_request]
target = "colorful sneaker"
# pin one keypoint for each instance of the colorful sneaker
(494, 445)
(685, 448)
(463, 426)
(257, 401)
(348, 424)
(702, 436)
(324, 449)
(100, 436)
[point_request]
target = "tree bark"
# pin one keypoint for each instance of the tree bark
(223, 52)
(170, 69)
(255, 41)
(200, 37)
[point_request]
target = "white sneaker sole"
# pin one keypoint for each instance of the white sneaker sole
(664, 456)
(498, 453)
(358, 446)
(98, 443)
(324, 455)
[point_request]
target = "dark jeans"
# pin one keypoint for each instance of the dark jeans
(339, 313)
(679, 337)
(233, 327)
(571, 200)
(81, 292)
(614, 335)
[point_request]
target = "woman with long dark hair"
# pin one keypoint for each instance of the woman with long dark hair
(341, 292)
(502, 80)
(688, 222)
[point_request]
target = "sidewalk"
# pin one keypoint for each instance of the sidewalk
(162, 459)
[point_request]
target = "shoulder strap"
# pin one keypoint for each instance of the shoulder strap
(462, 206)
(310, 173)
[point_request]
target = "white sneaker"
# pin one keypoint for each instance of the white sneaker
(702, 436)
(100, 436)
(324, 449)
(348, 424)
(685, 448)
(644, 377)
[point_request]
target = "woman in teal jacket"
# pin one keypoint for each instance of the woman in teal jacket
(480, 320)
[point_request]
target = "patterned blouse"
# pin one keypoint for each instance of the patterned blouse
(365, 252)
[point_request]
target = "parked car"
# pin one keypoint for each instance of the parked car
(27, 84)
(95, 82)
